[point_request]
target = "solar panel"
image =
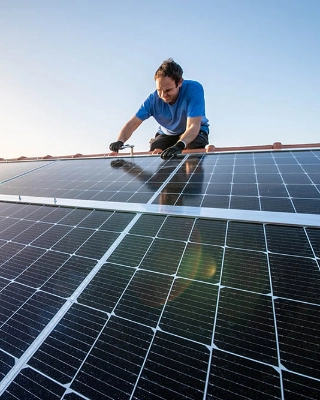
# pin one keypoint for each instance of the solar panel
(133, 278)
(265, 181)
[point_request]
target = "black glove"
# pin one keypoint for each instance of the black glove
(115, 146)
(173, 151)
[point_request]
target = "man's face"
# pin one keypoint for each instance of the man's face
(167, 89)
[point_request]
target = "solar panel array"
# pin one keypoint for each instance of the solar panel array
(111, 303)
(266, 181)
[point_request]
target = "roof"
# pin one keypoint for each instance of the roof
(126, 276)
(209, 149)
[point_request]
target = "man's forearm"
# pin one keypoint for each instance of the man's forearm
(190, 134)
(129, 128)
(192, 130)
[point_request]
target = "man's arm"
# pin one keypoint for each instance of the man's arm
(129, 128)
(192, 130)
(126, 133)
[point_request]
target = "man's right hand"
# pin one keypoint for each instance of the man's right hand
(115, 146)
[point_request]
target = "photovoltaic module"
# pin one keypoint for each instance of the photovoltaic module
(138, 278)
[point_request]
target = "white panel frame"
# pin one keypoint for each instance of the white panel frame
(308, 220)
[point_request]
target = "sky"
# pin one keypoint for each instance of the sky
(72, 72)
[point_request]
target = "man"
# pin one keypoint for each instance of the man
(178, 106)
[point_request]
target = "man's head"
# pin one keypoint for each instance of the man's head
(168, 79)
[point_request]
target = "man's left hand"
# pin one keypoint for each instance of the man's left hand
(173, 151)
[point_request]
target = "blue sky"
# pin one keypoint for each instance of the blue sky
(72, 72)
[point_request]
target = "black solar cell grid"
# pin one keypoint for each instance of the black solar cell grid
(148, 225)
(31, 384)
(314, 237)
(298, 387)
(6, 363)
(216, 202)
(272, 190)
(244, 203)
(31, 233)
(10, 232)
(75, 217)
(68, 277)
(245, 325)
(8, 250)
(73, 240)
(176, 228)
(114, 364)
(144, 298)
(62, 354)
(131, 250)
(218, 189)
(219, 300)
(175, 368)
(160, 252)
(201, 262)
(246, 270)
(209, 232)
(106, 288)
(239, 189)
(277, 204)
(24, 314)
(168, 306)
(246, 236)
(234, 377)
(288, 240)
(11, 170)
(96, 179)
(269, 176)
(96, 245)
(190, 310)
(52, 236)
(245, 179)
(307, 206)
(299, 334)
(295, 278)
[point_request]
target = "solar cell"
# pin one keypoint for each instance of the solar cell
(246, 270)
(161, 299)
(300, 387)
(174, 368)
(298, 346)
(113, 365)
(237, 377)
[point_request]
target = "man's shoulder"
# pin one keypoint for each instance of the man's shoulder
(191, 87)
(192, 84)
(151, 100)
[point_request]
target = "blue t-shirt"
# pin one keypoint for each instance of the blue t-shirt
(173, 118)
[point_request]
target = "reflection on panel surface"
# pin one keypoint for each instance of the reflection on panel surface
(267, 181)
(122, 305)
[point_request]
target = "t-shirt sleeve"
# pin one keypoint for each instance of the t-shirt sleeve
(145, 110)
(196, 106)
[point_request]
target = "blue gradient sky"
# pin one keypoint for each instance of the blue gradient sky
(72, 72)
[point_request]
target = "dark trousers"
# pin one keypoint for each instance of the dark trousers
(164, 141)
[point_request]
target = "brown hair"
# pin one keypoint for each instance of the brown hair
(170, 69)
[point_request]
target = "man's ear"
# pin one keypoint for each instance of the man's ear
(180, 82)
